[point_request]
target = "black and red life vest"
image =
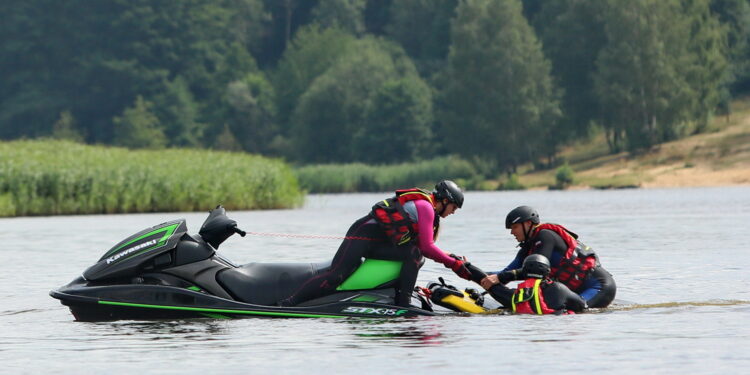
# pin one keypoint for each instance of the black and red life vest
(529, 299)
(577, 261)
(394, 220)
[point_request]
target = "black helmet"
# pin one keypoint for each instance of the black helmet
(536, 266)
(448, 189)
(521, 214)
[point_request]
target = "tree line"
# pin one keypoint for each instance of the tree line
(498, 82)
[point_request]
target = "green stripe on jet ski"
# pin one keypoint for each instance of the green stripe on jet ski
(202, 309)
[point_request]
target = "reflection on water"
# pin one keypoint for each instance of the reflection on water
(406, 332)
(166, 330)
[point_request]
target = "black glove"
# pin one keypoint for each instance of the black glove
(459, 267)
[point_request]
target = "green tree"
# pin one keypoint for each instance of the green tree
(332, 110)
(707, 73)
(397, 123)
(312, 52)
(138, 127)
(226, 141)
(735, 15)
(572, 34)
(251, 112)
(346, 15)
(178, 114)
(94, 59)
(498, 94)
(658, 70)
(422, 28)
(65, 128)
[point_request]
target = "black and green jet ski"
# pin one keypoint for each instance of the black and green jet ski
(163, 272)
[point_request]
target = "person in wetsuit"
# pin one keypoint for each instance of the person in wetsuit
(573, 263)
(400, 228)
(537, 294)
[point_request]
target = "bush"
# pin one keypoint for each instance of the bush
(512, 183)
(564, 177)
(357, 177)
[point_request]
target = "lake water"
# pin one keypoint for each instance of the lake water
(679, 256)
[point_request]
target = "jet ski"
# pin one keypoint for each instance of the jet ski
(164, 272)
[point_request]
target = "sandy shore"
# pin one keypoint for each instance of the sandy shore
(697, 176)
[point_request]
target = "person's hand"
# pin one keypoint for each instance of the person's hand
(458, 257)
(489, 281)
(459, 267)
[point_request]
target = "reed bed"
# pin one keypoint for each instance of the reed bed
(50, 177)
(357, 177)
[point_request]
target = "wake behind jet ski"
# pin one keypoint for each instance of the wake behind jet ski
(163, 272)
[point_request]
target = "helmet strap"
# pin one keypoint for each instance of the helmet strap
(527, 232)
(442, 203)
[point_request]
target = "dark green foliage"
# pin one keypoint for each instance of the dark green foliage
(499, 99)
(311, 53)
(422, 28)
(661, 67)
(334, 107)
(65, 128)
(397, 123)
(343, 178)
(572, 34)
(564, 177)
(378, 81)
(138, 127)
(346, 15)
(735, 16)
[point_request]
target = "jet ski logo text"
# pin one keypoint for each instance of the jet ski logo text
(128, 251)
(373, 311)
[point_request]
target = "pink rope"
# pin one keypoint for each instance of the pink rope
(317, 236)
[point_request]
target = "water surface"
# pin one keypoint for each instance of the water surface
(679, 257)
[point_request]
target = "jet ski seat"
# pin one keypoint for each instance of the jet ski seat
(267, 283)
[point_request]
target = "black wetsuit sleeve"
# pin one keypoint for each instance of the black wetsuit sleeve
(557, 296)
(508, 276)
(502, 294)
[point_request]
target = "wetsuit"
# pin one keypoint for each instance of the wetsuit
(556, 295)
(378, 246)
(598, 288)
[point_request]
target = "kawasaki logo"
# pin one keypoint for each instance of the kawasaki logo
(373, 311)
(131, 250)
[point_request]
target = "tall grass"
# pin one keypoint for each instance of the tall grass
(356, 177)
(46, 177)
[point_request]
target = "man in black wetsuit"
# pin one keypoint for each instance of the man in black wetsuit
(573, 263)
(537, 294)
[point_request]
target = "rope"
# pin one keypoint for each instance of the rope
(316, 236)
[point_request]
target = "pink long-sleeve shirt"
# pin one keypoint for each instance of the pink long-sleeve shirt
(426, 242)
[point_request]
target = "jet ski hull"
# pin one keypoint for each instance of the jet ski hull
(145, 302)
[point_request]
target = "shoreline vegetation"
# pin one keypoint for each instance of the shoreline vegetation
(54, 177)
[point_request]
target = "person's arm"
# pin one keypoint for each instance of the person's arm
(502, 294)
(501, 278)
(425, 239)
(516, 263)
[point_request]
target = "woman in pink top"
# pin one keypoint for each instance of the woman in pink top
(400, 228)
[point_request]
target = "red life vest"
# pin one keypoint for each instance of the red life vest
(577, 261)
(529, 299)
(394, 220)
